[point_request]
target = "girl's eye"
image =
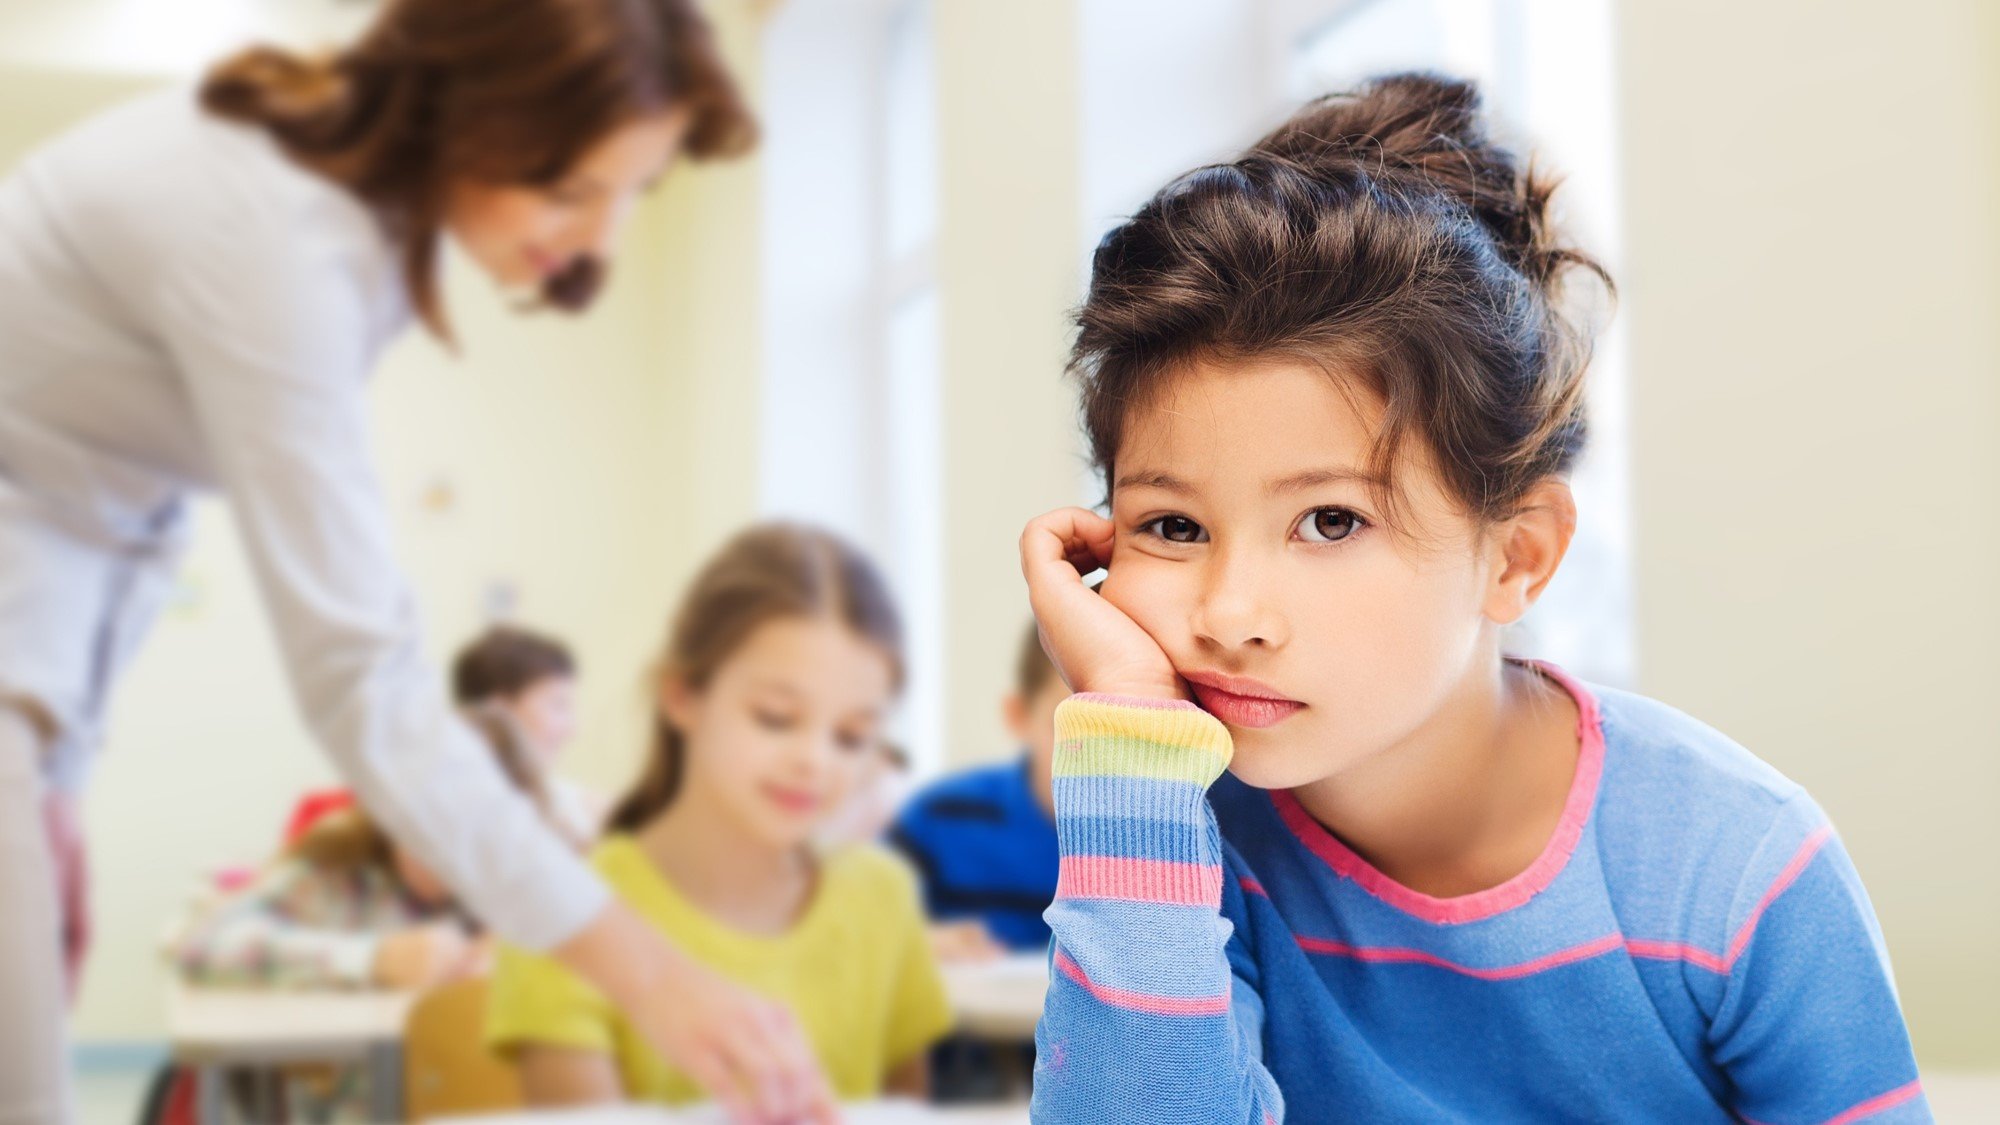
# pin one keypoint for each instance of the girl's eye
(853, 743)
(1176, 529)
(772, 720)
(1328, 525)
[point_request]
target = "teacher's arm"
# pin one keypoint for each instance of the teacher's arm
(270, 330)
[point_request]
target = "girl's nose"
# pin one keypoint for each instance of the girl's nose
(816, 755)
(1235, 609)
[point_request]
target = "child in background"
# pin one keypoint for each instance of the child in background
(343, 907)
(984, 840)
(781, 664)
(532, 678)
(1335, 393)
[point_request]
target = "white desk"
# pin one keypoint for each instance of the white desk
(215, 1030)
(872, 1113)
(998, 999)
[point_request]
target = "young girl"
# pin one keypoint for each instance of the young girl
(346, 907)
(782, 662)
(531, 678)
(1334, 393)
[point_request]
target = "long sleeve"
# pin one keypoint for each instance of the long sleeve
(1146, 1022)
(270, 324)
(1809, 1027)
(294, 927)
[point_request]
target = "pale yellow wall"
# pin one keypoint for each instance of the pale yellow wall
(1008, 253)
(1812, 292)
(569, 449)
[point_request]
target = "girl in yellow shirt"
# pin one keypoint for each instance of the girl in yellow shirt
(782, 661)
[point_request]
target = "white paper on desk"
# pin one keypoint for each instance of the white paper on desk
(892, 1112)
(1023, 968)
(889, 1113)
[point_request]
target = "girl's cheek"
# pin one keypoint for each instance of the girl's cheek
(1152, 592)
(846, 780)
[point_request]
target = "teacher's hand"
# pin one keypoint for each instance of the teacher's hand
(64, 827)
(747, 1051)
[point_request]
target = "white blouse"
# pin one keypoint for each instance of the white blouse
(182, 307)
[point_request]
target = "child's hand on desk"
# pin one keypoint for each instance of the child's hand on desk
(960, 943)
(421, 957)
(1095, 646)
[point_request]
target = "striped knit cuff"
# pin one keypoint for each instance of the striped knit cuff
(1131, 814)
(1168, 739)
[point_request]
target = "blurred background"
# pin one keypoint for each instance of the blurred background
(1791, 514)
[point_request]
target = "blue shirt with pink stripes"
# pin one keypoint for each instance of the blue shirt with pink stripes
(1692, 945)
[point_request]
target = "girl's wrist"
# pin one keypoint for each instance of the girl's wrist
(1149, 690)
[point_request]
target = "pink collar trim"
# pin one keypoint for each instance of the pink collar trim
(1494, 900)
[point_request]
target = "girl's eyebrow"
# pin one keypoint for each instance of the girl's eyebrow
(1309, 478)
(1314, 478)
(776, 687)
(1161, 480)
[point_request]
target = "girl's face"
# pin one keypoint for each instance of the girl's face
(546, 712)
(787, 727)
(523, 235)
(1249, 544)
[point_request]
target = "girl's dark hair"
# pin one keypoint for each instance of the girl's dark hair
(1381, 234)
(437, 92)
(505, 661)
(768, 572)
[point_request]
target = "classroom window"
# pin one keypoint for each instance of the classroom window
(852, 402)
(907, 314)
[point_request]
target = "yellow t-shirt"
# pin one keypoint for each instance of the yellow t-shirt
(856, 970)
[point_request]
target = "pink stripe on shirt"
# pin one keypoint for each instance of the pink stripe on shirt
(1141, 1001)
(1140, 880)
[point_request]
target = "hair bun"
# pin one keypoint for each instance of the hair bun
(1427, 132)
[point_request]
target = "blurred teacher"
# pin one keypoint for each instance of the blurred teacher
(193, 290)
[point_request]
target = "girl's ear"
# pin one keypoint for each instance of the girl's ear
(676, 701)
(1531, 545)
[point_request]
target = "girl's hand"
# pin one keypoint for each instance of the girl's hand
(420, 957)
(1093, 644)
(963, 943)
(745, 1050)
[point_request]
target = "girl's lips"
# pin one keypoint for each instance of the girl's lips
(1241, 702)
(544, 265)
(794, 801)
